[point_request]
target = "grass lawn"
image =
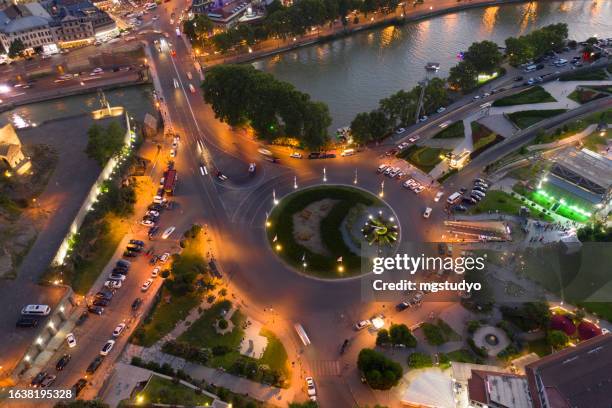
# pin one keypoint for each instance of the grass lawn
(455, 130)
(463, 356)
(281, 227)
(424, 158)
(106, 244)
(570, 129)
(595, 141)
(594, 75)
(163, 391)
(164, 317)
(585, 95)
(602, 309)
(275, 355)
(536, 94)
(497, 200)
(482, 137)
(524, 119)
(540, 347)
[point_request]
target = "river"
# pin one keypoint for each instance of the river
(352, 74)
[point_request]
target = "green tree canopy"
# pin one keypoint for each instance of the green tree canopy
(557, 339)
(105, 143)
(463, 76)
(16, 48)
(380, 372)
(401, 334)
(595, 232)
(198, 27)
(484, 56)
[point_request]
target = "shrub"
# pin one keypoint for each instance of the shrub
(419, 360)
(380, 372)
(433, 334)
(480, 351)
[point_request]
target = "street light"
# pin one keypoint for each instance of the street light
(274, 200)
(295, 186)
(382, 189)
(355, 179)
(324, 175)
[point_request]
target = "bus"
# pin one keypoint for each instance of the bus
(170, 178)
(302, 334)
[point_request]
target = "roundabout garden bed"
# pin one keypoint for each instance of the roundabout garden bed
(315, 229)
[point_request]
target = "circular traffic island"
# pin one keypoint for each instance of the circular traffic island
(324, 231)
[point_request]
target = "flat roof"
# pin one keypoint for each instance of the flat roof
(588, 164)
(560, 186)
(578, 376)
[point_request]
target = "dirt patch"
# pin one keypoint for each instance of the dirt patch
(307, 225)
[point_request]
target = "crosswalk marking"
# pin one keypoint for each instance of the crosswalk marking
(323, 368)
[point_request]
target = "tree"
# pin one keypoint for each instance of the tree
(103, 144)
(382, 337)
(400, 108)
(595, 232)
(529, 316)
(433, 334)
(484, 56)
(198, 27)
(380, 372)
(401, 334)
(519, 50)
(463, 76)
(370, 126)
(16, 48)
(556, 339)
(419, 360)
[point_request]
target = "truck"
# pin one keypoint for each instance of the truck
(170, 178)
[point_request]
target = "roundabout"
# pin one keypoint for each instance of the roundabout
(325, 230)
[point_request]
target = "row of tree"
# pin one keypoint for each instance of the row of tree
(298, 19)
(398, 109)
(242, 95)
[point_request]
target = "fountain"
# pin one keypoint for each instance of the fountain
(491, 340)
(107, 110)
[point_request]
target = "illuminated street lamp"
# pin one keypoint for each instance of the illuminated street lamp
(355, 179)
(382, 189)
(274, 200)
(324, 175)
(295, 186)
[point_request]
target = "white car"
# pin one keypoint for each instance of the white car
(399, 131)
(418, 189)
(476, 97)
(113, 284)
(97, 70)
(172, 152)
(363, 324)
(438, 196)
(116, 277)
(147, 223)
(296, 155)
(252, 167)
(311, 389)
(192, 89)
(153, 213)
(382, 168)
(423, 118)
(414, 139)
(402, 145)
(427, 212)
(118, 330)
(107, 348)
(168, 232)
(189, 75)
(176, 83)
(71, 340)
(165, 256)
(146, 285)
(155, 272)
(441, 109)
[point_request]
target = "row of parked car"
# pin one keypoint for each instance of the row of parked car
(478, 192)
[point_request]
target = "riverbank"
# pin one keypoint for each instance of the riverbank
(400, 17)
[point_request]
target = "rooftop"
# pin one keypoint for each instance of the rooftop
(499, 389)
(578, 376)
(585, 168)
(23, 17)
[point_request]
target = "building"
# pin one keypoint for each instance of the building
(10, 150)
(580, 180)
(498, 390)
(578, 376)
(79, 22)
(30, 23)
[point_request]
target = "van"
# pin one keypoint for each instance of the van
(453, 198)
(347, 152)
(36, 310)
(531, 68)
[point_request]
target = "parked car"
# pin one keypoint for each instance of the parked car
(311, 389)
(38, 379)
(296, 155)
(101, 302)
(78, 386)
(107, 347)
(427, 212)
(95, 309)
(155, 272)
(112, 284)
(146, 285)
(116, 277)
(363, 324)
(71, 340)
(402, 306)
(63, 362)
(27, 322)
(136, 304)
(48, 381)
(164, 257)
(119, 329)
(93, 366)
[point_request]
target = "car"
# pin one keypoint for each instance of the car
(189, 75)
(460, 208)
(63, 362)
(296, 155)
(95, 309)
(394, 172)
(113, 284)
(152, 213)
(423, 118)
(418, 189)
(116, 277)
(71, 340)
(414, 139)
(399, 131)
(155, 272)
(478, 193)
(123, 263)
(407, 183)
(402, 306)
(38, 379)
(441, 109)
(252, 168)
(173, 53)
(476, 197)
(480, 188)
(136, 304)
(27, 322)
(146, 285)
(438, 196)
(479, 180)
(108, 346)
(48, 381)
(382, 168)
(97, 70)
(119, 329)
(172, 152)
(168, 232)
(476, 97)
(427, 212)
(152, 231)
(347, 152)
(362, 324)
(78, 386)
(530, 81)
(101, 302)
(120, 271)
(147, 223)
(138, 242)
(486, 94)
(391, 152)
(388, 170)
(484, 185)
(221, 176)
(311, 389)
(444, 125)
(164, 257)
(82, 318)
(133, 248)
(93, 366)
(175, 83)
(192, 89)
(403, 145)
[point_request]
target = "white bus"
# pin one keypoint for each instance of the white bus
(302, 334)
(36, 310)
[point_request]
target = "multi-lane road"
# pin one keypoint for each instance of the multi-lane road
(235, 212)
